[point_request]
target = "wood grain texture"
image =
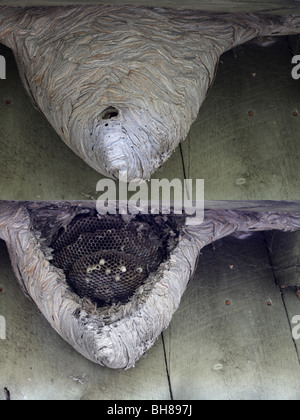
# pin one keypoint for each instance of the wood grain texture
(238, 351)
(231, 6)
(257, 155)
(124, 99)
(260, 206)
(284, 255)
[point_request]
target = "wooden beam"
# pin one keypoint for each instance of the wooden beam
(230, 6)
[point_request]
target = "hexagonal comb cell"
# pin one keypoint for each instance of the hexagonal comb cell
(106, 259)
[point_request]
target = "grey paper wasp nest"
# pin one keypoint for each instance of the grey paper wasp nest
(115, 325)
(122, 85)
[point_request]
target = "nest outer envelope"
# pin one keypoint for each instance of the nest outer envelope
(118, 336)
(122, 85)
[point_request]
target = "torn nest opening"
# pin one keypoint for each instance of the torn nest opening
(106, 259)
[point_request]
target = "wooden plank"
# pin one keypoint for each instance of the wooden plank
(246, 156)
(36, 363)
(242, 350)
(35, 163)
(284, 250)
(275, 6)
(255, 206)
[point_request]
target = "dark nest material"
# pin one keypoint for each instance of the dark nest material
(110, 285)
(106, 258)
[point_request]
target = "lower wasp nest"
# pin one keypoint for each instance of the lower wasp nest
(106, 259)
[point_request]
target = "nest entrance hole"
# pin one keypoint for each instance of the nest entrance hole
(109, 113)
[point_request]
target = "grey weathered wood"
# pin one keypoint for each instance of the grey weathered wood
(275, 6)
(36, 363)
(239, 351)
(284, 253)
(256, 206)
(242, 157)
